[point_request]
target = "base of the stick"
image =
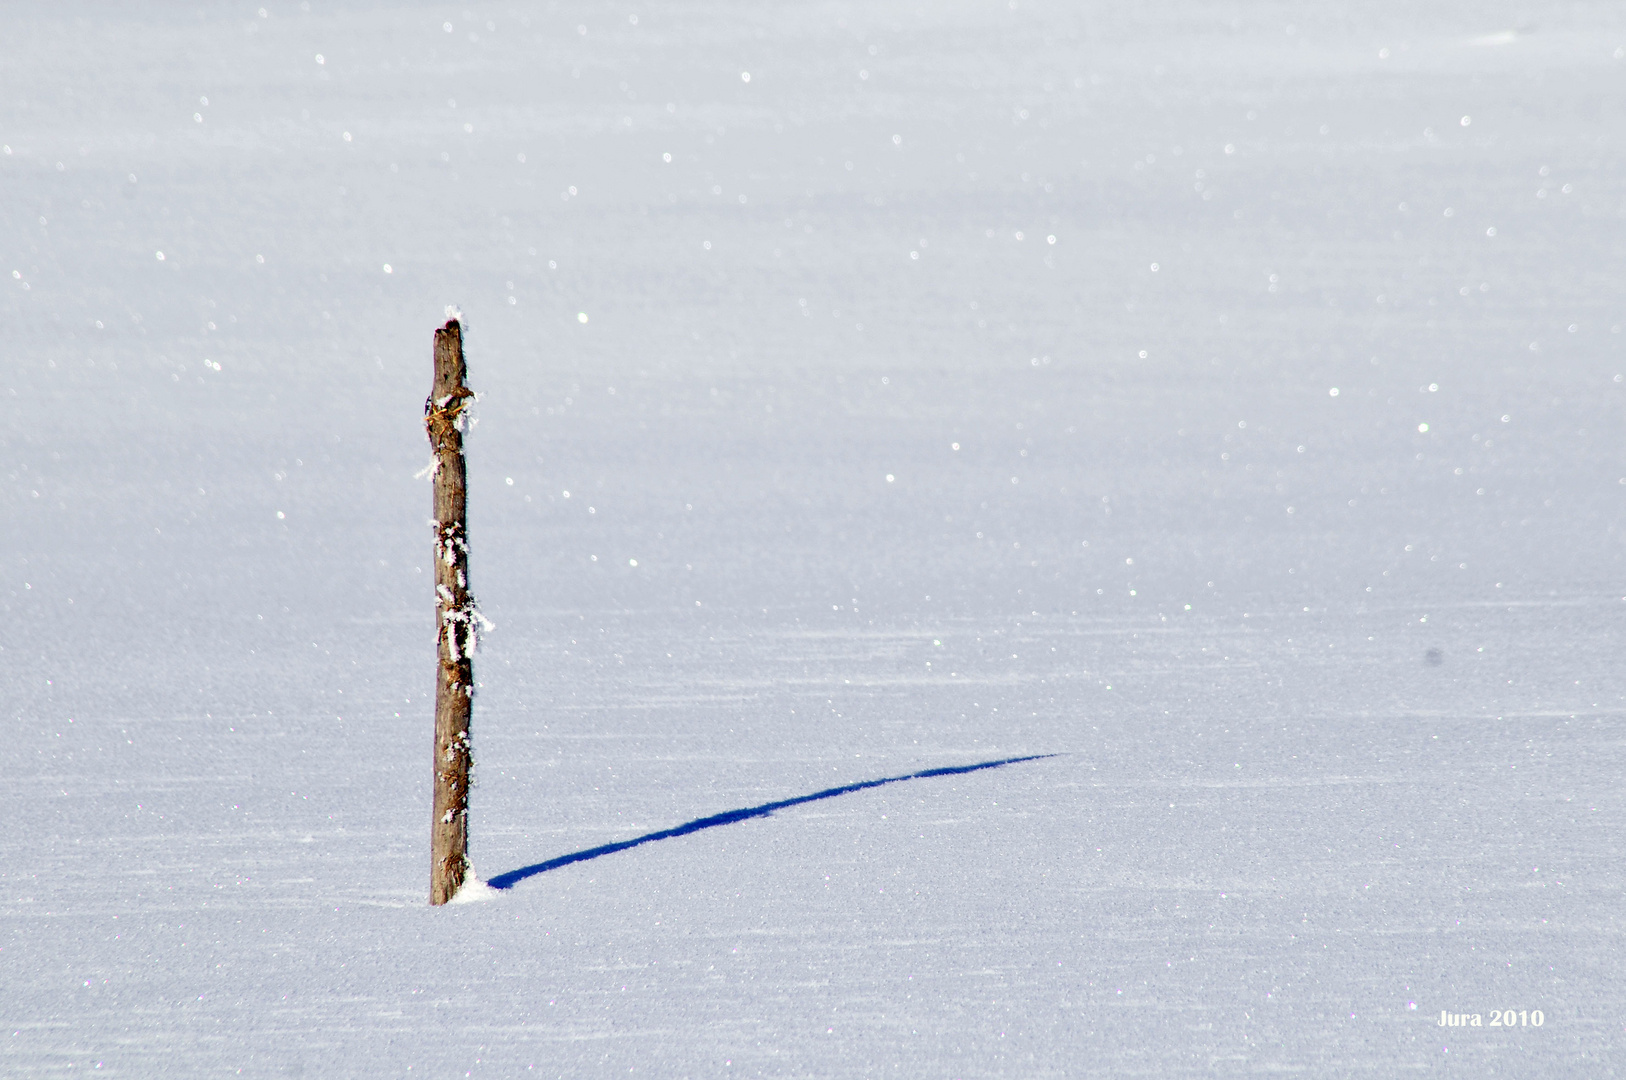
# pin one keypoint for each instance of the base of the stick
(473, 890)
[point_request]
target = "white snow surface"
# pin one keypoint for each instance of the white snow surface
(1301, 722)
(473, 891)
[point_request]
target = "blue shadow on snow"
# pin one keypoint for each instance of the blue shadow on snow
(729, 817)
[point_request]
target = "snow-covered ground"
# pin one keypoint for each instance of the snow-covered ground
(1271, 514)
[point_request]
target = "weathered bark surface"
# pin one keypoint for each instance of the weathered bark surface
(454, 618)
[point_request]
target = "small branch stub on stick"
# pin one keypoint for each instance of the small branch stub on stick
(455, 617)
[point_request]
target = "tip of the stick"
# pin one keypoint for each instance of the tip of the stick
(453, 314)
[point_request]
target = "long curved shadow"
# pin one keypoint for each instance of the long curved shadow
(729, 817)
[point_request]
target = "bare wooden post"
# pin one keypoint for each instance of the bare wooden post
(455, 618)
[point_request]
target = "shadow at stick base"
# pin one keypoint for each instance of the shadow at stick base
(729, 817)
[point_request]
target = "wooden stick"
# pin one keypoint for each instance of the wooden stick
(455, 618)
